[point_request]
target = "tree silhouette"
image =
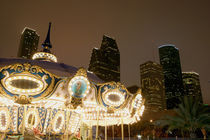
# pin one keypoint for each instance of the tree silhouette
(190, 116)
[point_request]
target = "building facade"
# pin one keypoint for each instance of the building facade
(170, 61)
(152, 86)
(191, 85)
(105, 62)
(133, 89)
(28, 43)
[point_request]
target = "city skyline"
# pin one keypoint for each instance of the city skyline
(138, 32)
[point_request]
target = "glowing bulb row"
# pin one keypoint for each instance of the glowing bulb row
(44, 55)
(15, 120)
(46, 122)
(110, 121)
(111, 118)
(137, 101)
(6, 101)
(141, 110)
(74, 122)
(93, 109)
(114, 103)
(20, 90)
(103, 117)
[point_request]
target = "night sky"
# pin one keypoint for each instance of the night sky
(139, 27)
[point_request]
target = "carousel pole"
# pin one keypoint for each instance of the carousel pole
(70, 112)
(90, 131)
(24, 118)
(129, 135)
(97, 123)
(50, 117)
(106, 127)
(122, 131)
(67, 123)
(81, 126)
(32, 119)
(113, 132)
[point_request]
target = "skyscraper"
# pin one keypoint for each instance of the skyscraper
(28, 43)
(191, 84)
(105, 62)
(170, 61)
(152, 86)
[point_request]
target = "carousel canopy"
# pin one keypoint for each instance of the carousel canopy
(56, 98)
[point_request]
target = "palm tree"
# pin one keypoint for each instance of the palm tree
(190, 116)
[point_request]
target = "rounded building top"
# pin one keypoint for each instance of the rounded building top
(168, 45)
(190, 72)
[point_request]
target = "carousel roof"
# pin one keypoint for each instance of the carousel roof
(59, 69)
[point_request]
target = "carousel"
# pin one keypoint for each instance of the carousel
(42, 99)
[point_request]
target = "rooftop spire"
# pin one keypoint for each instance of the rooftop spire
(47, 45)
(46, 55)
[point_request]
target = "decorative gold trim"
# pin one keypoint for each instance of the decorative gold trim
(135, 110)
(81, 72)
(22, 99)
(35, 114)
(117, 86)
(113, 92)
(76, 102)
(28, 70)
(24, 75)
(80, 75)
(59, 114)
